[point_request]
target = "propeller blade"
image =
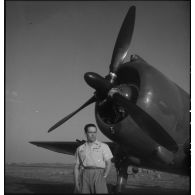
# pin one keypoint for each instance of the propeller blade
(123, 40)
(147, 123)
(97, 82)
(90, 101)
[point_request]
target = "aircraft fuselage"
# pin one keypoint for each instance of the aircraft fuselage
(164, 101)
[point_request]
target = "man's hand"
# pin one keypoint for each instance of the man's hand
(107, 169)
(77, 186)
(105, 176)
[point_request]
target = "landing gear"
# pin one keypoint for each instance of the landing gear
(122, 175)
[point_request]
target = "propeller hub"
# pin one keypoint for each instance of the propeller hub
(123, 90)
(113, 77)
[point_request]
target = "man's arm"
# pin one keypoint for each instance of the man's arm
(76, 171)
(107, 158)
(76, 176)
(107, 168)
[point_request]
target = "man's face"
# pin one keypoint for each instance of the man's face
(91, 134)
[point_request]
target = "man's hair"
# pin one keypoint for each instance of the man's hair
(87, 126)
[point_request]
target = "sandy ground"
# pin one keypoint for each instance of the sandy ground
(49, 178)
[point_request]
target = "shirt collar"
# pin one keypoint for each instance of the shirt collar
(96, 142)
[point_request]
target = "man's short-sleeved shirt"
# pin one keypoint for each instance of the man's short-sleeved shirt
(94, 155)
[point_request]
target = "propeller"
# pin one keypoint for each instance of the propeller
(100, 84)
(147, 123)
(90, 101)
(103, 85)
(123, 40)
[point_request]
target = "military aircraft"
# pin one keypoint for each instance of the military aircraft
(145, 114)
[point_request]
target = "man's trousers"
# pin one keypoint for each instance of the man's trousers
(92, 181)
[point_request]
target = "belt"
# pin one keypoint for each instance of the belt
(91, 167)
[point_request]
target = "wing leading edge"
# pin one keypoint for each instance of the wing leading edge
(64, 147)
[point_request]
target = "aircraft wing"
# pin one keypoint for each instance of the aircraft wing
(65, 147)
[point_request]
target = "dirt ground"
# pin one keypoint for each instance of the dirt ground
(52, 178)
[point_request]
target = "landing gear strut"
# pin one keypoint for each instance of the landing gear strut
(122, 175)
(121, 179)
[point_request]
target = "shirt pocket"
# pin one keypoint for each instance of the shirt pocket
(97, 154)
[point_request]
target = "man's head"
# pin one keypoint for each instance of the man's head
(91, 132)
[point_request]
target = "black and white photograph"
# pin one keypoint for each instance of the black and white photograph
(97, 97)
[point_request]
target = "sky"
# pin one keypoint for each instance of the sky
(49, 47)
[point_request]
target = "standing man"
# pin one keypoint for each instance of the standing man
(93, 163)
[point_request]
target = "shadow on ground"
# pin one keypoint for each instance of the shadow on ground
(35, 186)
